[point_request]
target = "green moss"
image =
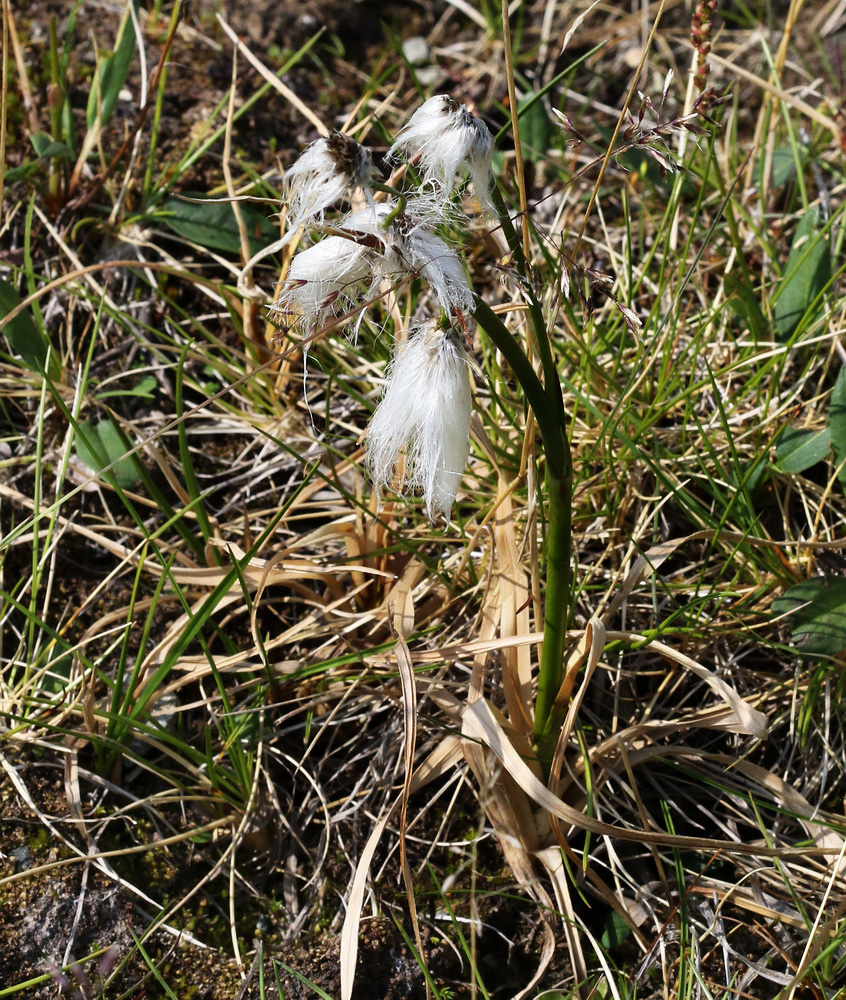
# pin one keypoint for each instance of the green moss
(39, 839)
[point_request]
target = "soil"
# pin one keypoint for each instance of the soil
(67, 914)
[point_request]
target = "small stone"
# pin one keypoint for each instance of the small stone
(416, 50)
(429, 76)
(22, 858)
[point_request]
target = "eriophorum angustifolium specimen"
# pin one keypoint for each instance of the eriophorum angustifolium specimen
(425, 413)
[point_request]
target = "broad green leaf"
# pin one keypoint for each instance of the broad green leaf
(112, 72)
(783, 165)
(535, 129)
(807, 272)
(57, 677)
(145, 387)
(21, 172)
(212, 224)
(744, 303)
(615, 931)
(46, 148)
(837, 421)
(816, 611)
(800, 448)
(98, 445)
(25, 338)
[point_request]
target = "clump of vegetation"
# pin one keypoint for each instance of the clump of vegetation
(422, 506)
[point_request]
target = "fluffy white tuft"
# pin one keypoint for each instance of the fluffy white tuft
(330, 170)
(323, 276)
(425, 412)
(448, 140)
(407, 247)
(369, 221)
(430, 256)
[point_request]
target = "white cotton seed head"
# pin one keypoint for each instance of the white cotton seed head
(406, 247)
(322, 278)
(369, 221)
(449, 140)
(331, 169)
(425, 413)
(431, 257)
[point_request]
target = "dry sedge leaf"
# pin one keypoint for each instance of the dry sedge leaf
(787, 796)
(513, 593)
(509, 812)
(552, 860)
(446, 755)
(750, 720)
(403, 622)
(355, 903)
(480, 723)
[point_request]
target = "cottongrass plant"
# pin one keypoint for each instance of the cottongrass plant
(425, 412)
(333, 168)
(419, 435)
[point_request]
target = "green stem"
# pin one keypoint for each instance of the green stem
(547, 405)
(552, 432)
(550, 373)
(401, 200)
(556, 610)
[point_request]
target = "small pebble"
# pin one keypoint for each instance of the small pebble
(22, 857)
(416, 50)
(430, 76)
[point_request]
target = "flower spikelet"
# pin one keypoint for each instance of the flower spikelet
(408, 247)
(425, 413)
(331, 169)
(449, 140)
(430, 256)
(322, 277)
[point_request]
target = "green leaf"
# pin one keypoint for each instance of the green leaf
(615, 932)
(46, 148)
(98, 445)
(754, 472)
(808, 271)
(783, 165)
(535, 129)
(816, 612)
(800, 448)
(57, 678)
(145, 388)
(212, 224)
(21, 172)
(744, 303)
(25, 338)
(837, 421)
(112, 72)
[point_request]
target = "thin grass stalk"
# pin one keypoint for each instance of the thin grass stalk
(4, 91)
(515, 124)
